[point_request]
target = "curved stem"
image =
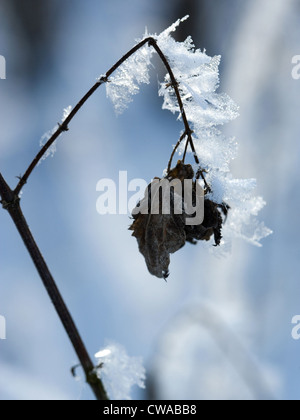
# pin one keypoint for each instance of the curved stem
(64, 126)
(174, 84)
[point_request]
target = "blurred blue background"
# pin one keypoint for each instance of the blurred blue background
(220, 328)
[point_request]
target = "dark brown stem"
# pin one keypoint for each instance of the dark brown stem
(200, 171)
(11, 202)
(185, 150)
(174, 151)
(174, 84)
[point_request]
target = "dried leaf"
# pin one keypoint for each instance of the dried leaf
(159, 234)
(211, 225)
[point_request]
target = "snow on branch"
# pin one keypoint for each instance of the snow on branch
(125, 83)
(197, 75)
(52, 150)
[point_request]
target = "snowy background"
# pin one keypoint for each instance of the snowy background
(221, 327)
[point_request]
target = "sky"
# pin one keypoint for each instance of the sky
(220, 328)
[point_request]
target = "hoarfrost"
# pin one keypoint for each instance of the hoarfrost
(119, 372)
(125, 83)
(52, 150)
(198, 77)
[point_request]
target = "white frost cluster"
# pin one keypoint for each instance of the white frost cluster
(206, 110)
(119, 372)
(126, 80)
(52, 150)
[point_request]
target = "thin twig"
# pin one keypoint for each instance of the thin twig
(185, 150)
(174, 151)
(174, 84)
(64, 126)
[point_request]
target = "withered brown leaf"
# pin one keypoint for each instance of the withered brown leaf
(160, 235)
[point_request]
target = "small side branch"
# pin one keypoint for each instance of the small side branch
(174, 151)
